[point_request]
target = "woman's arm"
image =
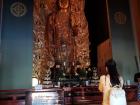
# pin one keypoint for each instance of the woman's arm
(101, 84)
(121, 81)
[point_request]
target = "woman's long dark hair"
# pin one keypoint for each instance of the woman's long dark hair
(112, 70)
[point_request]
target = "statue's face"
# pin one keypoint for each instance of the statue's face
(57, 66)
(63, 3)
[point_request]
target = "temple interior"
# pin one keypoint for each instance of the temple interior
(53, 52)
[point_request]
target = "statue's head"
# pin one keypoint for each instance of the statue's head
(64, 3)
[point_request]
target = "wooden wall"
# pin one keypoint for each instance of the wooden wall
(104, 51)
(135, 12)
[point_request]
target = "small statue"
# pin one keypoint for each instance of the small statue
(95, 77)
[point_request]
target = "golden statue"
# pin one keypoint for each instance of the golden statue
(42, 8)
(60, 34)
(80, 30)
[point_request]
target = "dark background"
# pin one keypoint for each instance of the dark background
(96, 14)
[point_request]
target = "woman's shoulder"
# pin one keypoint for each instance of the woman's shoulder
(102, 76)
(120, 77)
(121, 80)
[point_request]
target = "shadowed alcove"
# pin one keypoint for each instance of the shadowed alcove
(96, 14)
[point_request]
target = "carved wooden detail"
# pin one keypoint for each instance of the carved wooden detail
(60, 35)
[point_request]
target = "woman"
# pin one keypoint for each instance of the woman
(107, 81)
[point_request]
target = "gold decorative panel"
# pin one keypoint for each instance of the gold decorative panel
(60, 35)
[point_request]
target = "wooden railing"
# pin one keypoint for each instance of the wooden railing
(13, 97)
(83, 96)
(59, 96)
(53, 96)
(91, 95)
